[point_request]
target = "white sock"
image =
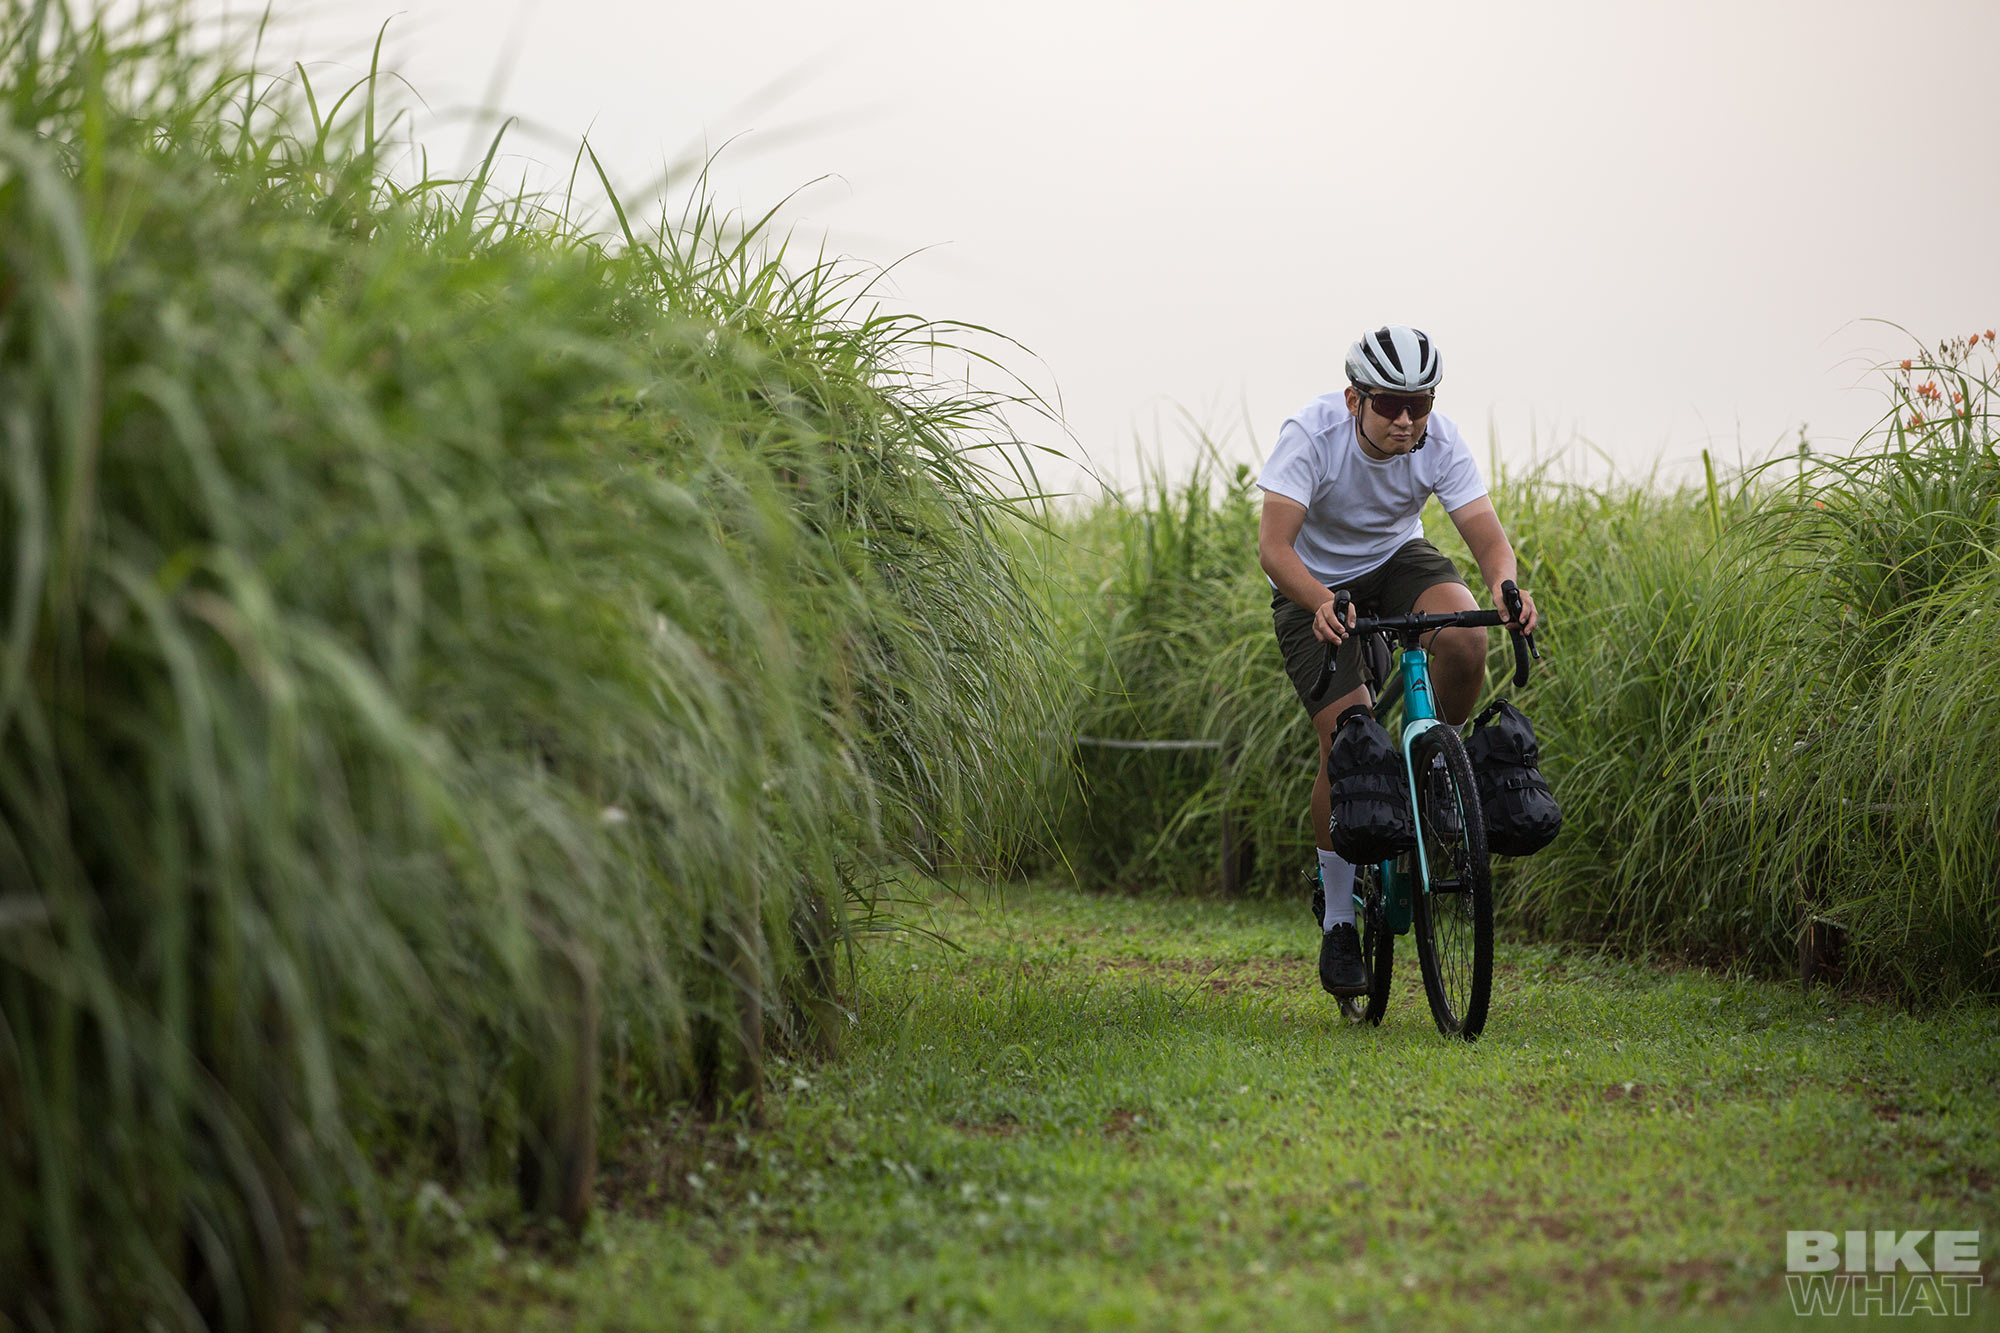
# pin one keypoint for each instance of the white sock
(1337, 878)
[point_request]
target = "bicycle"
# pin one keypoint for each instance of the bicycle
(1444, 888)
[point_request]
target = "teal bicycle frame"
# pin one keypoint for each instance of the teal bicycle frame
(1409, 685)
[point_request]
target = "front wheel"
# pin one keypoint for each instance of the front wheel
(1378, 948)
(1454, 908)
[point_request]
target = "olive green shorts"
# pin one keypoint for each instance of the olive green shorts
(1389, 589)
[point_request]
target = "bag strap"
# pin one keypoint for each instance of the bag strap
(1486, 714)
(1392, 787)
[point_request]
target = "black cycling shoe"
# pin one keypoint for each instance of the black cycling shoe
(1340, 969)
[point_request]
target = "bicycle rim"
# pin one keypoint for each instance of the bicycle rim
(1454, 910)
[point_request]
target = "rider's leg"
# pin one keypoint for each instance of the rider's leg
(1458, 656)
(1336, 875)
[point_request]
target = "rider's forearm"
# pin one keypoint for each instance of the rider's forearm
(1487, 541)
(1497, 566)
(1294, 580)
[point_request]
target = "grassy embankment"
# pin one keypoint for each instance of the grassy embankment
(461, 671)
(1116, 1112)
(1766, 701)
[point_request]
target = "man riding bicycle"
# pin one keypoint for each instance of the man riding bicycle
(1344, 492)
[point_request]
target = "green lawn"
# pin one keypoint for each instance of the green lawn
(1134, 1113)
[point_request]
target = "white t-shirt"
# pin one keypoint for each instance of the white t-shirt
(1360, 509)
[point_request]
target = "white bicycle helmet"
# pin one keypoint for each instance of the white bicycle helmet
(1395, 359)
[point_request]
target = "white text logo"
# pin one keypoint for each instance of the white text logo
(1882, 1272)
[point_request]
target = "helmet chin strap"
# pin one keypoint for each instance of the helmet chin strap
(1359, 425)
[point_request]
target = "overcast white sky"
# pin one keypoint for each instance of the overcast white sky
(1654, 226)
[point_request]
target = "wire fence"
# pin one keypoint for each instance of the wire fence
(1235, 855)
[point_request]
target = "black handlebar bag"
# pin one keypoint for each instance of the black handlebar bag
(1522, 816)
(1372, 820)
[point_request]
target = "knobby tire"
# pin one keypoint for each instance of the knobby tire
(1454, 912)
(1378, 948)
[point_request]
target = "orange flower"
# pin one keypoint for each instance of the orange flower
(1958, 398)
(1989, 335)
(1916, 420)
(1906, 365)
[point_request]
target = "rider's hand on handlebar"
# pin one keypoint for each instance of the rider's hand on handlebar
(1329, 628)
(1529, 620)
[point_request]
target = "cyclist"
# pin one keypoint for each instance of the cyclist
(1344, 492)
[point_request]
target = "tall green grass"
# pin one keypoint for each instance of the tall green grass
(436, 634)
(1771, 705)
(1766, 700)
(1172, 643)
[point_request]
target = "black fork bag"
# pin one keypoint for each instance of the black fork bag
(1521, 813)
(1372, 819)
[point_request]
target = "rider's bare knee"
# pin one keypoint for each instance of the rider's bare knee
(1460, 651)
(1326, 720)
